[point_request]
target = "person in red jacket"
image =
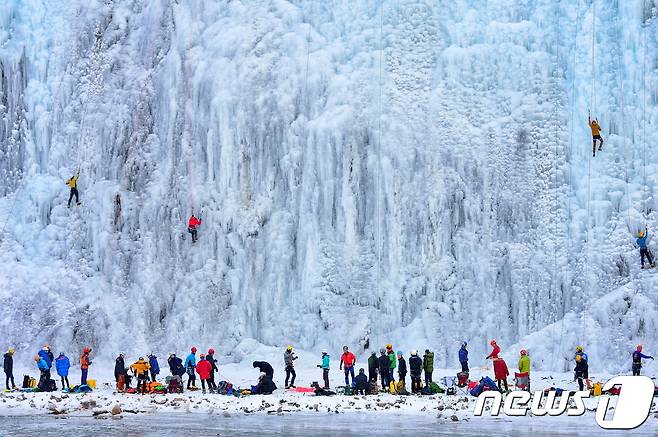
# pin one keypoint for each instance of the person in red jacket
(203, 368)
(501, 373)
(347, 361)
(192, 224)
(496, 350)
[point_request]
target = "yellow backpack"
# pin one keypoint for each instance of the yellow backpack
(596, 391)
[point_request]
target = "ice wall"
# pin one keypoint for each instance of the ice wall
(412, 171)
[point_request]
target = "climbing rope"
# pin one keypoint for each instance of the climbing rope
(379, 143)
(593, 97)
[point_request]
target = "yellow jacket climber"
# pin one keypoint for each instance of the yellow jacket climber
(596, 134)
(73, 183)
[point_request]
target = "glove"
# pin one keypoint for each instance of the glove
(319, 365)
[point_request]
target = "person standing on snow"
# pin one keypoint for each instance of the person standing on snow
(325, 369)
(501, 373)
(44, 371)
(288, 358)
(48, 358)
(582, 368)
(120, 373)
(415, 366)
(384, 365)
(402, 368)
(210, 357)
(192, 224)
(463, 357)
(62, 365)
(154, 366)
(73, 183)
(637, 360)
(642, 241)
(524, 365)
(373, 366)
(392, 362)
(596, 134)
(495, 350)
(347, 360)
(204, 368)
(85, 362)
(190, 365)
(428, 366)
(141, 370)
(8, 367)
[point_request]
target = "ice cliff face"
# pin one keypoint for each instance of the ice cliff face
(412, 171)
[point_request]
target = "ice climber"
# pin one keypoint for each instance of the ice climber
(192, 224)
(524, 365)
(596, 134)
(402, 368)
(141, 370)
(85, 362)
(384, 365)
(463, 357)
(190, 365)
(62, 365)
(154, 366)
(288, 358)
(73, 183)
(501, 373)
(392, 362)
(264, 367)
(582, 368)
(415, 366)
(325, 369)
(8, 367)
(642, 241)
(120, 373)
(428, 366)
(203, 368)
(495, 350)
(373, 366)
(347, 360)
(44, 371)
(637, 360)
(210, 356)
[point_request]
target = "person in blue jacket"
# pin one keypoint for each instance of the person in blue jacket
(637, 360)
(642, 240)
(46, 354)
(155, 367)
(44, 370)
(62, 364)
(190, 366)
(463, 357)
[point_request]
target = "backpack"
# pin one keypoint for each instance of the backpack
(427, 390)
(436, 388)
(26, 381)
(121, 383)
(462, 379)
(596, 391)
(174, 386)
(450, 391)
(373, 388)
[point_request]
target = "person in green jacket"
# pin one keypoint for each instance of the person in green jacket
(524, 365)
(393, 360)
(428, 366)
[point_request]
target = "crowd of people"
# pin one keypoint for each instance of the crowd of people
(381, 369)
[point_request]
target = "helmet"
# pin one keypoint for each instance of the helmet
(61, 354)
(141, 359)
(579, 348)
(492, 342)
(400, 353)
(10, 351)
(639, 348)
(524, 352)
(211, 351)
(86, 350)
(122, 354)
(289, 348)
(345, 348)
(464, 344)
(202, 356)
(324, 353)
(193, 349)
(414, 352)
(36, 358)
(382, 351)
(389, 346)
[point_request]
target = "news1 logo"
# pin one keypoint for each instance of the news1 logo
(633, 403)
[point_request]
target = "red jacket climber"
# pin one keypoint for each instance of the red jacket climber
(496, 350)
(192, 224)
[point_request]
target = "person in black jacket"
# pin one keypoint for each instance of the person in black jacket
(373, 366)
(402, 368)
(8, 367)
(120, 370)
(265, 384)
(384, 365)
(416, 367)
(264, 367)
(176, 368)
(210, 356)
(361, 383)
(580, 371)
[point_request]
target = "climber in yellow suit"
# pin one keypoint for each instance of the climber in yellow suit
(73, 183)
(596, 134)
